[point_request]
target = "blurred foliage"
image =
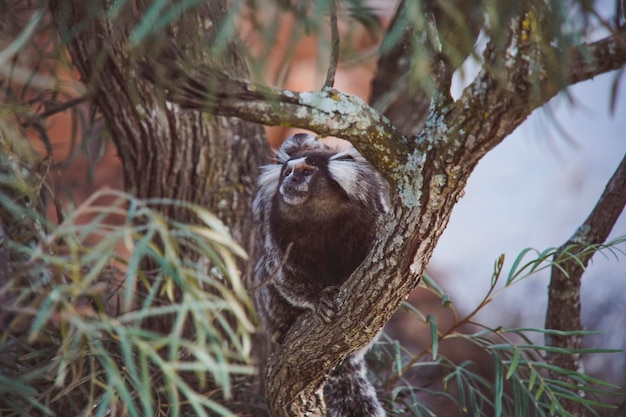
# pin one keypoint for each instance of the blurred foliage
(72, 334)
(451, 26)
(37, 84)
(275, 31)
(520, 381)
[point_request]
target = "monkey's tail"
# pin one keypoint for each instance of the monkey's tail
(348, 392)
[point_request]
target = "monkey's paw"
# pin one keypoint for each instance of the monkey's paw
(327, 306)
(279, 334)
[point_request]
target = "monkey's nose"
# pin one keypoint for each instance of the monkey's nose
(301, 173)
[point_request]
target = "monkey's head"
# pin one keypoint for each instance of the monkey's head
(316, 175)
(312, 175)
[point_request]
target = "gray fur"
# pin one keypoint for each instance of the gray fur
(317, 213)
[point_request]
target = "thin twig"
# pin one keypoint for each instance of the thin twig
(334, 46)
(54, 110)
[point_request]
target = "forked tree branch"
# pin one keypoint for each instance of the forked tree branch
(444, 154)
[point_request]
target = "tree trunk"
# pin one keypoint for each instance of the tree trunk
(166, 152)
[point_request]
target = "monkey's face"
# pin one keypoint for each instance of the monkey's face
(315, 186)
(298, 178)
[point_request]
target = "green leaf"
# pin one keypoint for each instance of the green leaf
(532, 380)
(397, 357)
(497, 269)
(434, 335)
(540, 389)
(445, 301)
(498, 386)
(514, 363)
(514, 272)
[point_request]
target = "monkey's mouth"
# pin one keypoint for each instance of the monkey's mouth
(294, 198)
(294, 194)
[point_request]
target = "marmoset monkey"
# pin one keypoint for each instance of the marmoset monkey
(317, 215)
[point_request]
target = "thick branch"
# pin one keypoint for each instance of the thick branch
(165, 153)
(570, 262)
(405, 103)
(495, 103)
(488, 110)
(605, 55)
(327, 112)
(366, 302)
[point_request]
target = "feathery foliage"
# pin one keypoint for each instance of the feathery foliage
(72, 339)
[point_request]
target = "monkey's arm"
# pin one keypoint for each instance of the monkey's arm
(306, 292)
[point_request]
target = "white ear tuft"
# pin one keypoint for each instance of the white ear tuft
(344, 167)
(270, 175)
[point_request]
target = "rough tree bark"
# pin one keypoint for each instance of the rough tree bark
(165, 152)
(404, 100)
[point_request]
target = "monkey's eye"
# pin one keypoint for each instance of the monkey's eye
(307, 171)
